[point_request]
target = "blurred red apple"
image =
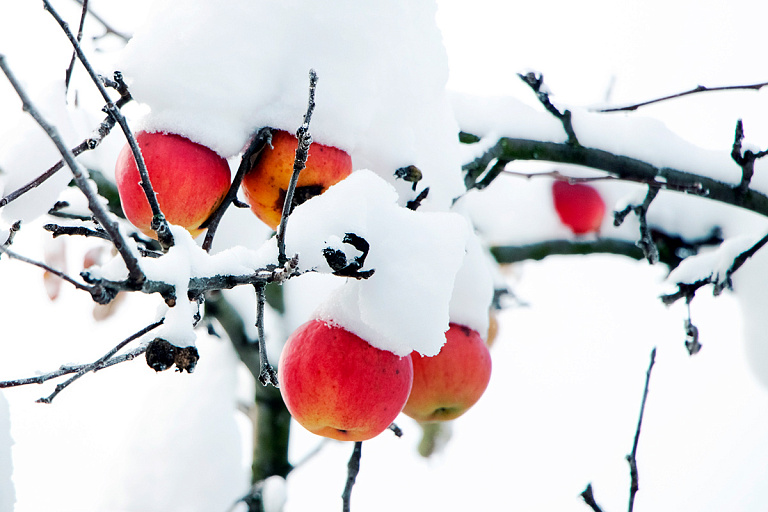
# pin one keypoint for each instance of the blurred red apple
(266, 183)
(446, 385)
(337, 385)
(189, 180)
(579, 206)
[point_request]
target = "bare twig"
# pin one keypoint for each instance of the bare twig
(136, 276)
(688, 290)
(632, 457)
(745, 159)
(249, 159)
(15, 227)
(646, 243)
(57, 231)
(353, 468)
(302, 153)
(536, 82)
(589, 499)
(104, 361)
(88, 144)
(48, 268)
(107, 27)
(695, 90)
(159, 223)
(267, 374)
(71, 67)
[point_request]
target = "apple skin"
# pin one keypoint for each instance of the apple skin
(189, 180)
(265, 184)
(446, 385)
(337, 385)
(579, 206)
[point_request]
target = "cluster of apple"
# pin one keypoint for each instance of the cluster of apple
(191, 180)
(337, 385)
(333, 382)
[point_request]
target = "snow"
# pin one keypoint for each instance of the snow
(394, 309)
(380, 98)
(713, 265)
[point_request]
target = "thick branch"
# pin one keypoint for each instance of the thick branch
(624, 167)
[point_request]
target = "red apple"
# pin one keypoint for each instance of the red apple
(446, 385)
(337, 385)
(579, 206)
(266, 183)
(189, 180)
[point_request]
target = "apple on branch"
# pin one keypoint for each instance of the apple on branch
(190, 181)
(337, 385)
(266, 183)
(446, 385)
(579, 206)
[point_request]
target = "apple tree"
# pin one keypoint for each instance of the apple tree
(294, 213)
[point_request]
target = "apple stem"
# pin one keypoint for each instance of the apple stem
(299, 162)
(353, 468)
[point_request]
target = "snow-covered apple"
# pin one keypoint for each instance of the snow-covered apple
(446, 385)
(266, 183)
(579, 206)
(337, 385)
(190, 181)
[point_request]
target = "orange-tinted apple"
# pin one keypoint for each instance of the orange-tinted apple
(579, 206)
(265, 184)
(189, 180)
(337, 385)
(446, 385)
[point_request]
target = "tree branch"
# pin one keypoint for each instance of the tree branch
(695, 90)
(632, 457)
(159, 223)
(623, 167)
(136, 276)
(104, 361)
(302, 153)
(353, 468)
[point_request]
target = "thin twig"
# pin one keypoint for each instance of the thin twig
(48, 268)
(136, 276)
(249, 159)
(71, 67)
(632, 457)
(353, 468)
(104, 361)
(695, 90)
(536, 82)
(744, 159)
(589, 499)
(302, 153)
(159, 223)
(267, 374)
(88, 144)
(107, 27)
